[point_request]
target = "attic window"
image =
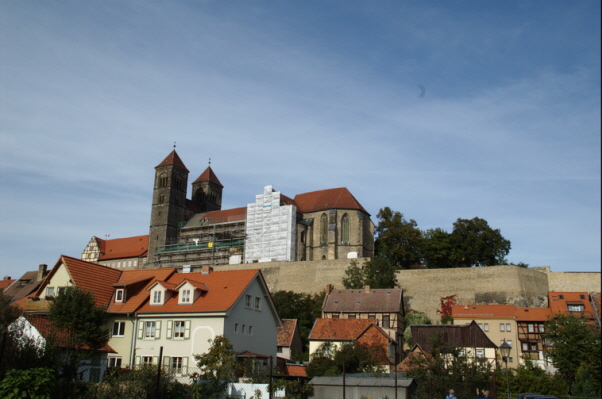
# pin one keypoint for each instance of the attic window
(157, 297)
(185, 298)
(581, 296)
(560, 296)
(119, 295)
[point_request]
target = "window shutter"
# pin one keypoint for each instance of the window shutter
(140, 329)
(155, 359)
(158, 330)
(137, 361)
(185, 365)
(169, 329)
(187, 329)
(166, 363)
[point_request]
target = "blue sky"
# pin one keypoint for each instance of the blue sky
(440, 110)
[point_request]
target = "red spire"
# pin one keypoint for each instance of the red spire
(173, 159)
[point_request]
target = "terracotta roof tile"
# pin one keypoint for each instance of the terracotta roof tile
(339, 329)
(208, 175)
(6, 282)
(225, 287)
(533, 314)
(296, 370)
(136, 283)
(483, 311)
(118, 248)
(173, 159)
(558, 302)
(334, 198)
(286, 332)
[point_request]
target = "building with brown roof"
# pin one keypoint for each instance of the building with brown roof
(384, 306)
(26, 284)
(5, 283)
(331, 334)
(119, 253)
(196, 232)
(289, 339)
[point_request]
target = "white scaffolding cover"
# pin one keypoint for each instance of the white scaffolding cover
(271, 229)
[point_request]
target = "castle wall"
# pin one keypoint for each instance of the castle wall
(572, 281)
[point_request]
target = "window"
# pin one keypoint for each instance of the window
(462, 352)
(324, 229)
(502, 327)
(49, 291)
(345, 229)
(149, 329)
(119, 295)
(541, 328)
(279, 349)
(147, 360)
(157, 297)
(248, 301)
(243, 328)
(480, 352)
(480, 325)
(185, 296)
(235, 327)
(178, 329)
(386, 321)
(335, 316)
(581, 296)
(508, 329)
(486, 327)
(61, 290)
(257, 303)
(118, 328)
(531, 328)
(114, 362)
(371, 316)
(525, 346)
(250, 330)
(574, 307)
(351, 316)
(176, 364)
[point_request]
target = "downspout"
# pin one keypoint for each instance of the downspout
(134, 337)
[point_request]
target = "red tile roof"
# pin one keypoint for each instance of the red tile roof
(224, 289)
(136, 282)
(89, 276)
(339, 198)
(208, 175)
(6, 282)
(339, 329)
(61, 338)
(296, 370)
(483, 311)
(173, 159)
(119, 248)
(559, 301)
(533, 314)
(286, 332)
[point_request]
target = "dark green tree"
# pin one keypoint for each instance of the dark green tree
(477, 244)
(575, 345)
(376, 273)
(329, 360)
(398, 240)
(218, 368)
(76, 312)
(437, 249)
(413, 317)
(527, 377)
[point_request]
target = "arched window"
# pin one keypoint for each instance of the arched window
(163, 180)
(324, 229)
(345, 229)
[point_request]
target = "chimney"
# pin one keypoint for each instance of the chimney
(41, 272)
(6, 278)
(206, 269)
(367, 289)
(328, 288)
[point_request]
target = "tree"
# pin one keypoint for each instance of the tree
(437, 249)
(575, 345)
(477, 244)
(413, 317)
(527, 377)
(397, 239)
(350, 357)
(76, 312)
(376, 273)
(218, 368)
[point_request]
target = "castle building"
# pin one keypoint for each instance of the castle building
(190, 233)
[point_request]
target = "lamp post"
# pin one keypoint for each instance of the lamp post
(505, 352)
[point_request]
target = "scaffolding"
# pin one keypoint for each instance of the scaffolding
(270, 229)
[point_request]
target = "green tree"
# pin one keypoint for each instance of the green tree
(76, 312)
(437, 249)
(376, 273)
(413, 317)
(218, 368)
(575, 345)
(329, 360)
(527, 377)
(36, 383)
(397, 239)
(477, 244)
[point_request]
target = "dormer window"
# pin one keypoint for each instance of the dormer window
(185, 296)
(157, 298)
(119, 295)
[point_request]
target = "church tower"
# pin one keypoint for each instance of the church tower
(207, 191)
(169, 204)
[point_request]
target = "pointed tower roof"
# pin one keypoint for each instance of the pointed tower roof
(208, 175)
(173, 159)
